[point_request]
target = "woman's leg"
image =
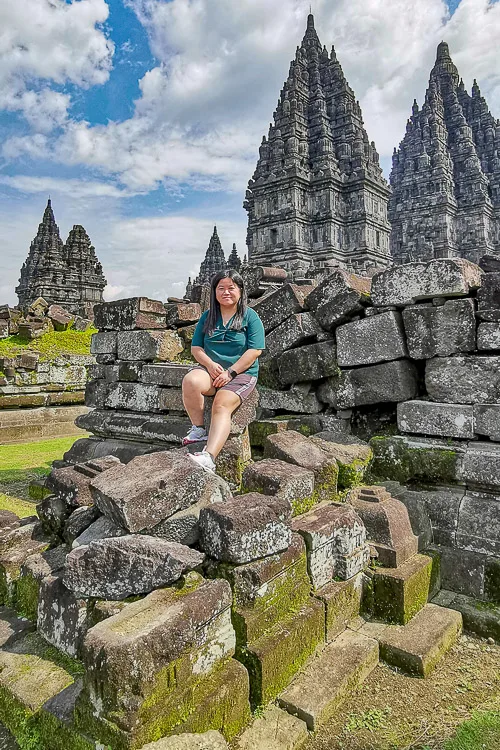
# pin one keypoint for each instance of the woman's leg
(195, 386)
(225, 402)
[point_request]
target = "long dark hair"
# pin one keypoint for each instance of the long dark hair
(214, 311)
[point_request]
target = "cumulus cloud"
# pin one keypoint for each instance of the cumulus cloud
(45, 42)
(78, 188)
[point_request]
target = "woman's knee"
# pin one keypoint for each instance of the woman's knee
(195, 381)
(223, 404)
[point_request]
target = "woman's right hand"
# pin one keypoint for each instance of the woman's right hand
(214, 370)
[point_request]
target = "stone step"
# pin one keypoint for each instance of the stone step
(482, 618)
(330, 678)
(30, 675)
(274, 730)
(417, 647)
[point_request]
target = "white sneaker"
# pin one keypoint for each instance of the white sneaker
(205, 460)
(195, 435)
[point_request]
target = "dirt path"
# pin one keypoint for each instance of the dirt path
(394, 712)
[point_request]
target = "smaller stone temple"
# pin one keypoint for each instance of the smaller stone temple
(214, 261)
(66, 274)
(445, 177)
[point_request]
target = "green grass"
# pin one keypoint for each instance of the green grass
(481, 732)
(50, 345)
(21, 464)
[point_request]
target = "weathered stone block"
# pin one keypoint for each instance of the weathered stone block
(279, 654)
(149, 345)
(488, 336)
(62, 617)
(130, 314)
(440, 331)
(294, 331)
(387, 524)
(246, 528)
(276, 307)
(417, 647)
(487, 420)
(332, 533)
(234, 458)
(96, 393)
(274, 477)
(297, 449)
(274, 729)
(342, 600)
(33, 571)
(338, 297)
(328, 681)
(407, 459)
(144, 398)
(379, 338)
(461, 571)
(207, 741)
(153, 487)
(183, 527)
(101, 528)
(464, 379)
(430, 418)
(293, 400)
(261, 428)
(15, 548)
(182, 314)
(441, 505)
(399, 593)
(480, 465)
(488, 297)
(478, 527)
(406, 284)
(353, 457)
(144, 688)
(168, 375)
(118, 567)
(388, 382)
(79, 520)
(8, 521)
(306, 363)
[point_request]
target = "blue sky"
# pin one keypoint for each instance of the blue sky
(142, 118)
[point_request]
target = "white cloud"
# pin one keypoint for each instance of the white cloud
(45, 42)
(76, 187)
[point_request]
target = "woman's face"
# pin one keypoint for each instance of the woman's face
(227, 293)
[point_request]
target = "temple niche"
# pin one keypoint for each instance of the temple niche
(445, 176)
(66, 274)
(318, 197)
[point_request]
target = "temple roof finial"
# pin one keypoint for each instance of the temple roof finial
(443, 51)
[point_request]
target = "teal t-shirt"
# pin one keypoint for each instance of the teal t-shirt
(226, 346)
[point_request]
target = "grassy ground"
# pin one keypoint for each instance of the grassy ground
(50, 345)
(21, 464)
(456, 708)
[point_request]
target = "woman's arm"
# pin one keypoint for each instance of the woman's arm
(214, 370)
(241, 365)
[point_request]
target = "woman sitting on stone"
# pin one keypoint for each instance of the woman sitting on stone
(227, 342)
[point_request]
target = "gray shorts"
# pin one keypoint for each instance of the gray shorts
(243, 385)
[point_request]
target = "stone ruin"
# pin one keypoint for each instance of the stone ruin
(41, 396)
(150, 599)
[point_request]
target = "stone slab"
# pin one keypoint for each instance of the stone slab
(406, 284)
(400, 593)
(431, 418)
(288, 401)
(487, 420)
(273, 730)
(165, 374)
(478, 617)
(141, 426)
(488, 336)
(338, 297)
(306, 363)
(342, 600)
(149, 346)
(130, 314)
(379, 338)
(418, 647)
(143, 398)
(62, 617)
(385, 383)
(276, 307)
(274, 477)
(478, 528)
(207, 741)
(407, 459)
(464, 379)
(480, 465)
(294, 331)
(440, 331)
(330, 678)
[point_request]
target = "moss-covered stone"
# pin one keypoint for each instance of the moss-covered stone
(326, 484)
(261, 428)
(406, 460)
(56, 734)
(492, 580)
(435, 580)
(342, 601)
(301, 505)
(399, 593)
(274, 659)
(352, 474)
(28, 589)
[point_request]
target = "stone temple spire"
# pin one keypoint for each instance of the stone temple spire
(317, 197)
(234, 260)
(446, 174)
(69, 275)
(214, 260)
(44, 264)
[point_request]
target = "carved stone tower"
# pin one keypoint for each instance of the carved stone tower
(69, 275)
(214, 260)
(318, 197)
(234, 260)
(446, 174)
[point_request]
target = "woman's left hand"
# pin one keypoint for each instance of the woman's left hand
(223, 379)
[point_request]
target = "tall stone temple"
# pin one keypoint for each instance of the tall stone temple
(318, 197)
(66, 274)
(446, 174)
